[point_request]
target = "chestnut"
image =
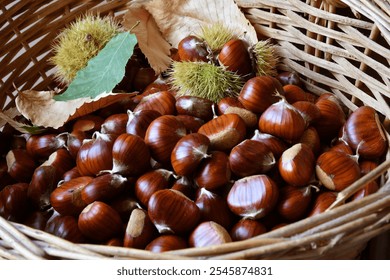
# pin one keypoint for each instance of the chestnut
(130, 155)
(250, 157)
(337, 170)
(296, 165)
(99, 221)
(162, 135)
(173, 212)
(365, 134)
(161, 101)
(138, 122)
(20, 165)
(258, 93)
(140, 230)
(246, 229)
(103, 188)
(224, 131)
(166, 243)
(235, 57)
(195, 106)
(253, 197)
(322, 202)
(188, 152)
(214, 172)
(207, 234)
(66, 198)
(192, 48)
(282, 120)
(213, 207)
(95, 154)
(115, 124)
(294, 202)
(151, 182)
(64, 227)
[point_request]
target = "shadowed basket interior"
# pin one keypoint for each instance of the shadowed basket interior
(345, 51)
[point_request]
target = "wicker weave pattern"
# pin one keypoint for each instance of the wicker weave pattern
(346, 55)
(345, 51)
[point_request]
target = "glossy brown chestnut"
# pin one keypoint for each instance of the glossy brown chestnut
(311, 138)
(66, 198)
(253, 197)
(224, 131)
(246, 229)
(282, 120)
(173, 212)
(365, 134)
(162, 135)
(289, 78)
(65, 227)
(213, 207)
(251, 157)
(43, 182)
(195, 106)
(332, 117)
(258, 93)
(294, 202)
(296, 165)
(214, 172)
(275, 144)
(75, 141)
(192, 124)
(140, 230)
(138, 122)
(88, 124)
(309, 111)
(192, 48)
(20, 165)
(103, 188)
(208, 234)
(99, 221)
(322, 202)
(42, 146)
(188, 153)
(95, 154)
(14, 204)
(124, 205)
(71, 174)
(226, 102)
(167, 242)
(337, 170)
(161, 101)
(295, 93)
(115, 124)
(234, 56)
(151, 182)
(130, 155)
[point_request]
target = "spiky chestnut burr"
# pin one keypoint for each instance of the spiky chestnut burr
(265, 58)
(204, 80)
(79, 42)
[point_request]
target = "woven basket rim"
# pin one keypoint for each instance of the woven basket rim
(281, 243)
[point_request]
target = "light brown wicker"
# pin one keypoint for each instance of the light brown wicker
(345, 51)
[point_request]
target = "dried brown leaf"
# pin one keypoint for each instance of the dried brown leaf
(149, 38)
(42, 110)
(179, 18)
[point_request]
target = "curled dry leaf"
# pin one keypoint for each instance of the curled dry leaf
(149, 38)
(176, 19)
(42, 110)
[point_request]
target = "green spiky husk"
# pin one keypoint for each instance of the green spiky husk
(204, 80)
(216, 35)
(266, 58)
(79, 42)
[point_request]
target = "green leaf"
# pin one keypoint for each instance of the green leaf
(104, 71)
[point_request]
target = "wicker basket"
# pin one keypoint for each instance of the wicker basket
(342, 50)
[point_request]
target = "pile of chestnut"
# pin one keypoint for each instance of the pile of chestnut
(162, 172)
